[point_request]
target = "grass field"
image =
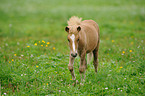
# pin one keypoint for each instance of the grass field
(34, 51)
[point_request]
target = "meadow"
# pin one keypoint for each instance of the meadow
(34, 52)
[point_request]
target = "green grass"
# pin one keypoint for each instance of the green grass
(41, 70)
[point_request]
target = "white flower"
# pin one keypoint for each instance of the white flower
(10, 25)
(6, 44)
(121, 90)
(5, 93)
(118, 88)
(18, 43)
(21, 74)
(31, 55)
(22, 55)
(106, 88)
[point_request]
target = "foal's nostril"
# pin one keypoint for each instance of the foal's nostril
(73, 55)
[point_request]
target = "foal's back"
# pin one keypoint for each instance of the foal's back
(91, 30)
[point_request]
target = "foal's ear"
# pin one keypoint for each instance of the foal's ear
(66, 29)
(79, 28)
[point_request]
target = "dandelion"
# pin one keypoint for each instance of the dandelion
(12, 59)
(43, 41)
(112, 41)
(39, 41)
(47, 84)
(131, 43)
(35, 44)
(9, 61)
(121, 67)
(70, 79)
(130, 50)
(55, 72)
(15, 54)
(48, 43)
(37, 66)
(123, 52)
(28, 46)
(42, 45)
(53, 48)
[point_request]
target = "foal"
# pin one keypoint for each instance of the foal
(83, 37)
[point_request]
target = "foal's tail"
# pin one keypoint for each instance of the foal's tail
(89, 57)
(74, 20)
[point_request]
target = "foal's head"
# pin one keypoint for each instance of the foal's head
(73, 38)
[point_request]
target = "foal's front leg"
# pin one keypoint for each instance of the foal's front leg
(70, 66)
(83, 66)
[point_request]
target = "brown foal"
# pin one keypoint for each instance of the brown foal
(83, 37)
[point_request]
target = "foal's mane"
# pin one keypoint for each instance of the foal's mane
(74, 20)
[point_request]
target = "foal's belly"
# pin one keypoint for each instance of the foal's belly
(92, 42)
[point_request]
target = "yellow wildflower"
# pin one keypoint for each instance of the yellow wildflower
(112, 41)
(53, 48)
(42, 45)
(121, 67)
(123, 52)
(37, 66)
(9, 61)
(70, 79)
(47, 84)
(12, 59)
(28, 46)
(35, 44)
(131, 43)
(39, 41)
(130, 50)
(43, 41)
(15, 54)
(48, 43)
(55, 72)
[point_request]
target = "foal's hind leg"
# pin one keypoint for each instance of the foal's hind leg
(95, 62)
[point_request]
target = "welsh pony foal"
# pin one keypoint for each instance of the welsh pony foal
(83, 37)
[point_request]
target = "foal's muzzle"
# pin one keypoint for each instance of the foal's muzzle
(73, 54)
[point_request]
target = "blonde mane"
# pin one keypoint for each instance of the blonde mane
(74, 20)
